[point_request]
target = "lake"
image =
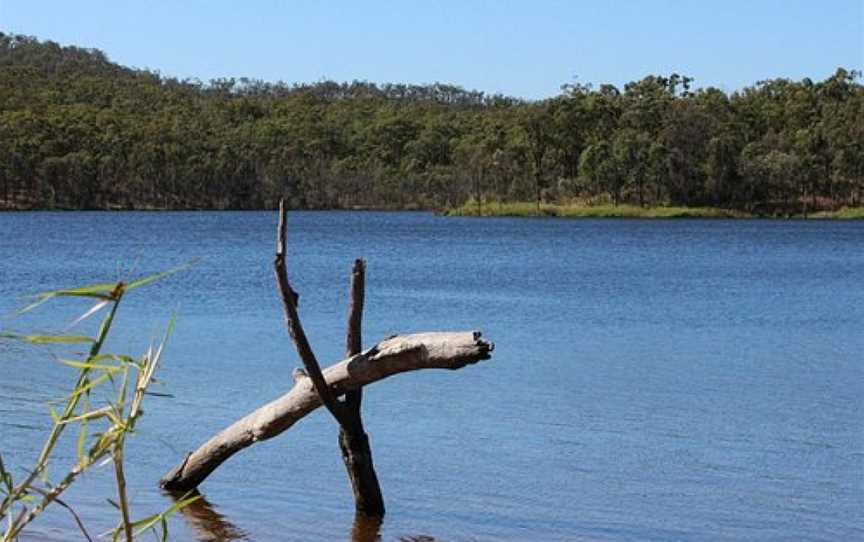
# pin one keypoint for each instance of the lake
(652, 380)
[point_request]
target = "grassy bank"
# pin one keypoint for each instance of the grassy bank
(521, 209)
(590, 211)
(847, 213)
(577, 210)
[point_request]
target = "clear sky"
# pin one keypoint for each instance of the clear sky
(525, 48)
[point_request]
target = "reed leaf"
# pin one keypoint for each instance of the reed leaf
(48, 339)
(104, 412)
(143, 525)
(158, 276)
(88, 365)
(90, 312)
(88, 385)
(82, 439)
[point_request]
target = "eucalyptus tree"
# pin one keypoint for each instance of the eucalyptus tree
(77, 130)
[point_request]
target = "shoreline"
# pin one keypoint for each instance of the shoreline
(512, 210)
(110, 209)
(626, 211)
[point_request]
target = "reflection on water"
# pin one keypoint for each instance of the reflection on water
(211, 526)
(206, 522)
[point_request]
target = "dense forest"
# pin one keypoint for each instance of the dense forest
(78, 131)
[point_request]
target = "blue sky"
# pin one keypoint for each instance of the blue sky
(527, 48)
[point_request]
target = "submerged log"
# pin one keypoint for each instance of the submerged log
(402, 353)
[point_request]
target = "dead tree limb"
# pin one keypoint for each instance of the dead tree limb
(353, 440)
(295, 328)
(354, 336)
(313, 388)
(402, 353)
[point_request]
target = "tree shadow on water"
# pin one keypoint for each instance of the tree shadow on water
(208, 524)
(367, 529)
(211, 526)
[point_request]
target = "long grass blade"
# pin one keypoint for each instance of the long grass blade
(93, 362)
(47, 296)
(86, 387)
(94, 290)
(98, 291)
(142, 525)
(48, 339)
(82, 437)
(90, 312)
(106, 291)
(88, 365)
(158, 276)
(91, 415)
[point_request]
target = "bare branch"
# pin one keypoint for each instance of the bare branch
(354, 340)
(295, 328)
(353, 440)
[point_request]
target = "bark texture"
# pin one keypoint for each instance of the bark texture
(353, 440)
(357, 456)
(402, 353)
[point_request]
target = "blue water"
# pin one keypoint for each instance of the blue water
(652, 380)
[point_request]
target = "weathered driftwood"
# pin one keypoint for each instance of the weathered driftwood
(402, 353)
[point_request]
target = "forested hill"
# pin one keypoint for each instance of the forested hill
(78, 131)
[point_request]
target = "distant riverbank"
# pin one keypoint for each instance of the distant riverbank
(527, 209)
(515, 209)
(17, 206)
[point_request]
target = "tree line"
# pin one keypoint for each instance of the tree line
(79, 131)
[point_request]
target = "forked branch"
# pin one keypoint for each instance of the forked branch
(295, 328)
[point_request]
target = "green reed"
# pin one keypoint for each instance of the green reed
(128, 379)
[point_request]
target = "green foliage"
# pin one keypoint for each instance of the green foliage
(79, 131)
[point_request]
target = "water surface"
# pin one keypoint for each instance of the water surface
(652, 380)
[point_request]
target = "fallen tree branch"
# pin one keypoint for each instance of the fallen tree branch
(402, 353)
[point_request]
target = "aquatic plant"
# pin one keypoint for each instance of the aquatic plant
(124, 381)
